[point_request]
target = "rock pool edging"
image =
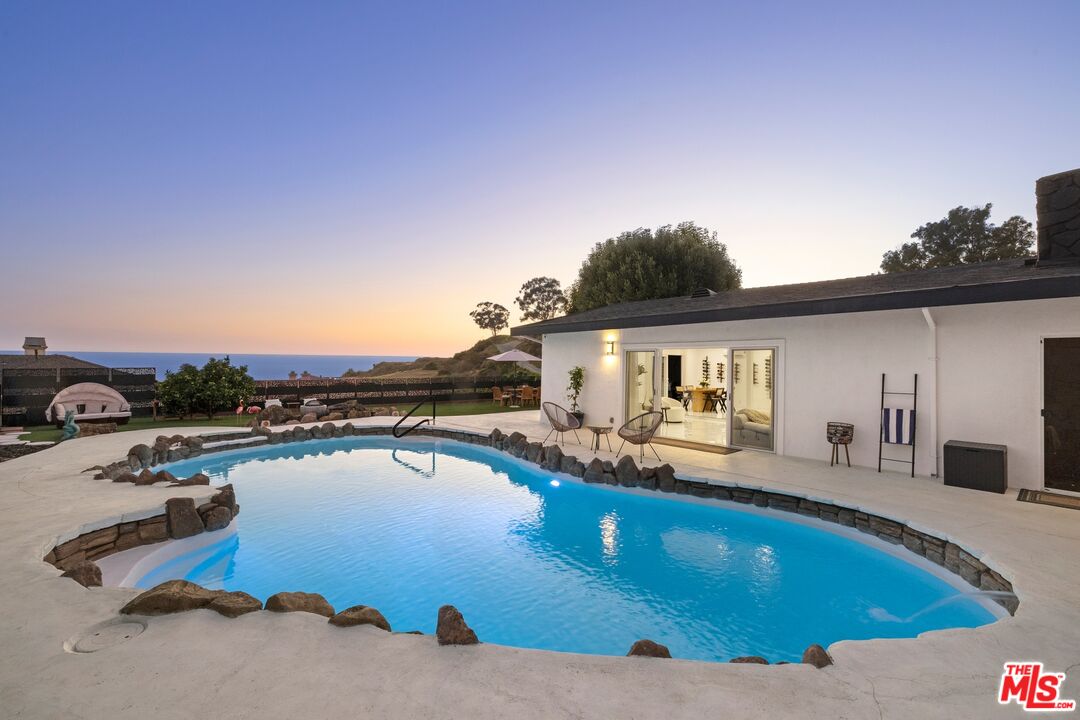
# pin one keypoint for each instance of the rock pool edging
(624, 473)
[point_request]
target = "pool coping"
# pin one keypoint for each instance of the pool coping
(1041, 627)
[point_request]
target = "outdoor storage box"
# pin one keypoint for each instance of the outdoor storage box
(978, 466)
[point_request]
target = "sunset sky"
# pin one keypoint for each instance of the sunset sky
(353, 178)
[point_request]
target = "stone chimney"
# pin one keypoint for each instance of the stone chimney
(1058, 209)
(34, 346)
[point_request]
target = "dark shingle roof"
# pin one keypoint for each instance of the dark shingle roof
(998, 281)
(9, 362)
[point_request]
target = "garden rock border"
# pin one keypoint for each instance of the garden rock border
(184, 518)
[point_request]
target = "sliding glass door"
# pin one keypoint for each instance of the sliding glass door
(752, 407)
(640, 382)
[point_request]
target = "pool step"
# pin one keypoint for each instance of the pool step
(244, 442)
(226, 435)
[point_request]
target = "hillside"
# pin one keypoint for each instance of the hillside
(467, 363)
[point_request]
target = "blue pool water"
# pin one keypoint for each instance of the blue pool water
(540, 561)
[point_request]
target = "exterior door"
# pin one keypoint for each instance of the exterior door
(1061, 414)
(751, 407)
(640, 382)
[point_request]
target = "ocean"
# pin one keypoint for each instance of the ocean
(260, 367)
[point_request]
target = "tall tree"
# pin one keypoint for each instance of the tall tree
(491, 316)
(219, 385)
(644, 265)
(964, 236)
(541, 298)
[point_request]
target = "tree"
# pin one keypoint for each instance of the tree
(541, 298)
(217, 386)
(963, 236)
(224, 386)
(645, 265)
(178, 393)
(491, 316)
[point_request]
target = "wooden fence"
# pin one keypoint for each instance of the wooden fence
(373, 391)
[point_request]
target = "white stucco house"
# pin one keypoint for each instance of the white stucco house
(995, 348)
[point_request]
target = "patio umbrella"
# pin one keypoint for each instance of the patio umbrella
(514, 356)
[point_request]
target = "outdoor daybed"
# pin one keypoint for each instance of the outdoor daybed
(92, 402)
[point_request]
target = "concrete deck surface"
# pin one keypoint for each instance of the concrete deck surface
(266, 665)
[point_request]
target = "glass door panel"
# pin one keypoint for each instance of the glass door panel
(751, 406)
(640, 382)
(1061, 414)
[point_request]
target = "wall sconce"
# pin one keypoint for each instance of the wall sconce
(609, 347)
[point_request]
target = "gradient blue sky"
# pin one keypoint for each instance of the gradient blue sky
(352, 178)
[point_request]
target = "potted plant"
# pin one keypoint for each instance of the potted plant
(573, 391)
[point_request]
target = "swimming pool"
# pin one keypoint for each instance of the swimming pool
(539, 560)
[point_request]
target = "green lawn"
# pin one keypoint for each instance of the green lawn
(465, 407)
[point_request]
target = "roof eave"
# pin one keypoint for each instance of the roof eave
(1016, 290)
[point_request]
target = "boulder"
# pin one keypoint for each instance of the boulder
(594, 473)
(815, 655)
(577, 469)
(196, 479)
(128, 477)
(308, 418)
(165, 476)
(171, 596)
(532, 451)
(234, 604)
(328, 429)
(292, 422)
(85, 572)
(299, 602)
(360, 615)
(648, 648)
(334, 416)
(183, 518)
(626, 472)
(513, 438)
(225, 496)
(194, 442)
(665, 478)
(451, 628)
(553, 458)
(146, 477)
(348, 429)
(752, 659)
(218, 518)
(143, 453)
(495, 436)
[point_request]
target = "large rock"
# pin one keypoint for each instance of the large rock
(218, 518)
(86, 573)
(234, 604)
(451, 628)
(648, 648)
(225, 496)
(165, 476)
(172, 596)
(665, 478)
(146, 477)
(751, 659)
(128, 477)
(299, 602)
(308, 418)
(594, 473)
(553, 457)
(196, 479)
(141, 453)
(815, 655)
(183, 518)
(532, 451)
(360, 615)
(626, 472)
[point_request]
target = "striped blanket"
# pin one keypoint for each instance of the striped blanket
(898, 426)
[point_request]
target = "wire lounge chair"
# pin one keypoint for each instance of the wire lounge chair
(639, 431)
(561, 422)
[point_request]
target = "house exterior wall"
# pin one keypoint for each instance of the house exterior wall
(828, 367)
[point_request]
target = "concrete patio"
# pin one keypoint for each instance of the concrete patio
(266, 665)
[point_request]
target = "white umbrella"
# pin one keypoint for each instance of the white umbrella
(514, 356)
